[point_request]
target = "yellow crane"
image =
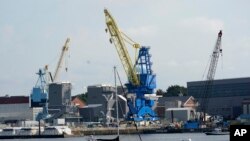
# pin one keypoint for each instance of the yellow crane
(59, 64)
(142, 81)
(118, 38)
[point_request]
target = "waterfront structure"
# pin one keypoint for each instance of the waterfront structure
(61, 104)
(226, 95)
(90, 113)
(16, 108)
(39, 94)
(59, 95)
(104, 95)
(165, 103)
(179, 114)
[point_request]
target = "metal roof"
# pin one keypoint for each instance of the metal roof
(14, 99)
(221, 81)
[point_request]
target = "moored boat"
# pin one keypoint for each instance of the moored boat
(33, 132)
(217, 131)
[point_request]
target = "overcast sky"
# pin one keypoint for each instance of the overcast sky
(181, 34)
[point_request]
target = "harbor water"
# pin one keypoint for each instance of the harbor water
(147, 137)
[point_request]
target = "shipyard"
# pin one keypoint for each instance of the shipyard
(115, 70)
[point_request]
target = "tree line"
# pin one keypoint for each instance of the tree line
(174, 90)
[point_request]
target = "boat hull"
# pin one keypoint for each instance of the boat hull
(30, 136)
(213, 133)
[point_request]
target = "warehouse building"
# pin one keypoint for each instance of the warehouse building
(16, 108)
(226, 97)
(186, 104)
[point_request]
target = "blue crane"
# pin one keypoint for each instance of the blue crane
(141, 80)
(39, 95)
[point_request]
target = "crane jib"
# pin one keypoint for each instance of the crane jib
(121, 49)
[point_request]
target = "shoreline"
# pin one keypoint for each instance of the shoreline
(113, 131)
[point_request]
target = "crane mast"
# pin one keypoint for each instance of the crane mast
(59, 64)
(208, 84)
(116, 37)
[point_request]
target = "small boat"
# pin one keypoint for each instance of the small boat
(10, 131)
(91, 138)
(217, 131)
(115, 139)
(28, 131)
(33, 132)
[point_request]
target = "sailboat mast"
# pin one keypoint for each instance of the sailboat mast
(116, 101)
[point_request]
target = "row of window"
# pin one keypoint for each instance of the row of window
(222, 90)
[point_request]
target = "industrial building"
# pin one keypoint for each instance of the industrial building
(60, 103)
(186, 104)
(226, 97)
(101, 103)
(59, 95)
(16, 108)
(89, 112)
(179, 114)
(246, 106)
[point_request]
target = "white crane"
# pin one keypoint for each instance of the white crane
(207, 89)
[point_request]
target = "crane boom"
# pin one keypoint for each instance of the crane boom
(116, 37)
(210, 76)
(59, 64)
(215, 56)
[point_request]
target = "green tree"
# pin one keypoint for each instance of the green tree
(160, 92)
(83, 96)
(175, 90)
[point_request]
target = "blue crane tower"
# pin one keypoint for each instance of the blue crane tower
(142, 109)
(141, 80)
(39, 95)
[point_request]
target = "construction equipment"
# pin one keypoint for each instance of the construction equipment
(60, 62)
(39, 94)
(208, 84)
(55, 77)
(141, 80)
(48, 75)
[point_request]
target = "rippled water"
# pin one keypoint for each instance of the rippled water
(150, 137)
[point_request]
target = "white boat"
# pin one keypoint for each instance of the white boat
(33, 132)
(10, 131)
(91, 138)
(217, 131)
(28, 131)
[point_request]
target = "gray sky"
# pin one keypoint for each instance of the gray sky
(181, 34)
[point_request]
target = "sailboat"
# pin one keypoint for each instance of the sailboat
(117, 119)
